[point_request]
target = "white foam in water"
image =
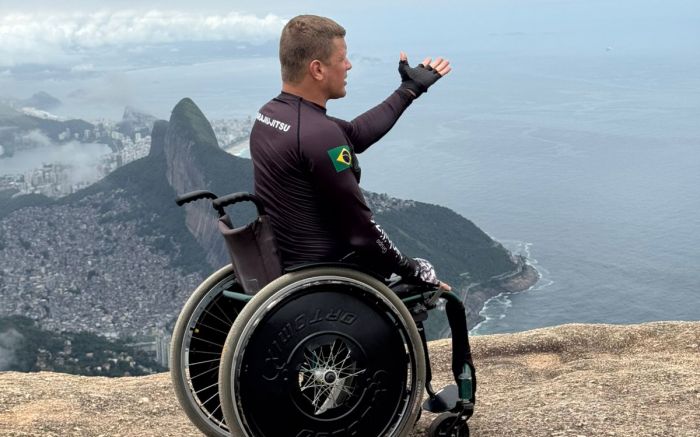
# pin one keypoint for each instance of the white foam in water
(496, 308)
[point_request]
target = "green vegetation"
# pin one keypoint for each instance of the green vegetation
(9, 205)
(455, 245)
(190, 124)
(27, 348)
(7, 194)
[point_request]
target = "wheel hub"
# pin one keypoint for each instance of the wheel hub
(326, 377)
(330, 377)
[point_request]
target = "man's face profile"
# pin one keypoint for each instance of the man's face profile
(336, 68)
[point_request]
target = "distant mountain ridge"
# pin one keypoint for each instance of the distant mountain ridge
(122, 257)
(14, 124)
(41, 100)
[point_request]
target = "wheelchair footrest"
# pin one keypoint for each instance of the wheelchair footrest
(444, 400)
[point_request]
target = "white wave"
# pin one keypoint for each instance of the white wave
(497, 307)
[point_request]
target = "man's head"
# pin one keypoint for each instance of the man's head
(313, 49)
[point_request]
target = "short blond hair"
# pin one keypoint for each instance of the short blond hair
(305, 38)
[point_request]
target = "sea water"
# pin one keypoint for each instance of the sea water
(589, 167)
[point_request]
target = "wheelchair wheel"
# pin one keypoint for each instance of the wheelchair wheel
(195, 353)
(322, 352)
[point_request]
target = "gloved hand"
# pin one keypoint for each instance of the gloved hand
(425, 272)
(419, 79)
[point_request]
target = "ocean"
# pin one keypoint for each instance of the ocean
(588, 165)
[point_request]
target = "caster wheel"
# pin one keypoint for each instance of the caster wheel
(448, 425)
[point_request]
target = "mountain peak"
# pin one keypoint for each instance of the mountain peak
(132, 114)
(191, 123)
(41, 100)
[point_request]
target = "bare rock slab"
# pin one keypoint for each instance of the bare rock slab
(571, 380)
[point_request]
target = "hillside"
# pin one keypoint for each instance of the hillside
(571, 380)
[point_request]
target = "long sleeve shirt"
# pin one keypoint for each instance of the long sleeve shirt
(307, 175)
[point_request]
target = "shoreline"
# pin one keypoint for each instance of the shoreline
(478, 294)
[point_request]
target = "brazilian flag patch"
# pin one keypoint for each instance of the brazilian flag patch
(341, 158)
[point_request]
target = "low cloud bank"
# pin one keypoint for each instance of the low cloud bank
(39, 38)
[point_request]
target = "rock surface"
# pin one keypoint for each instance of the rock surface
(571, 380)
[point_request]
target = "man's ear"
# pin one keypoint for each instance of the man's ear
(316, 69)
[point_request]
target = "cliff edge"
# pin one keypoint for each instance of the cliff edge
(571, 380)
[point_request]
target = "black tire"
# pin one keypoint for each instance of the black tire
(324, 351)
(195, 350)
(448, 425)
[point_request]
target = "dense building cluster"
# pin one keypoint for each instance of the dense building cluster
(54, 271)
(231, 132)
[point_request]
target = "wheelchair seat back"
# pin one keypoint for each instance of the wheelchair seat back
(253, 251)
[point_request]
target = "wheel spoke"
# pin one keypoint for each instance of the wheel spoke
(210, 327)
(223, 313)
(210, 398)
(204, 362)
(328, 373)
(194, 351)
(206, 388)
(218, 407)
(203, 373)
(217, 318)
(221, 346)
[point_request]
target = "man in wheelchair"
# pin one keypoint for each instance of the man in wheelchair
(304, 324)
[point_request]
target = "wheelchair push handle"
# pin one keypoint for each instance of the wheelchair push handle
(194, 195)
(221, 202)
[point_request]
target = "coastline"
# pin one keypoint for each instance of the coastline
(523, 279)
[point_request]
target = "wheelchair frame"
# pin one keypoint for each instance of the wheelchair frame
(207, 373)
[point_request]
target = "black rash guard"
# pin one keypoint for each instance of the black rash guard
(307, 175)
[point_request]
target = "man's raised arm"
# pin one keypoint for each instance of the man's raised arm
(369, 127)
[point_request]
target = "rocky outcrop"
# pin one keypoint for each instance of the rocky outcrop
(572, 380)
(190, 144)
(180, 148)
(160, 130)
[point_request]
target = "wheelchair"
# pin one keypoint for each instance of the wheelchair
(315, 350)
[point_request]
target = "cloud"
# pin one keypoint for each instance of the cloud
(83, 68)
(35, 138)
(113, 88)
(31, 38)
(39, 149)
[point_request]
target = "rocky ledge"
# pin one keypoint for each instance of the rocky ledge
(571, 380)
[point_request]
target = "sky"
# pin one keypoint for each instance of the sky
(48, 32)
(49, 45)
